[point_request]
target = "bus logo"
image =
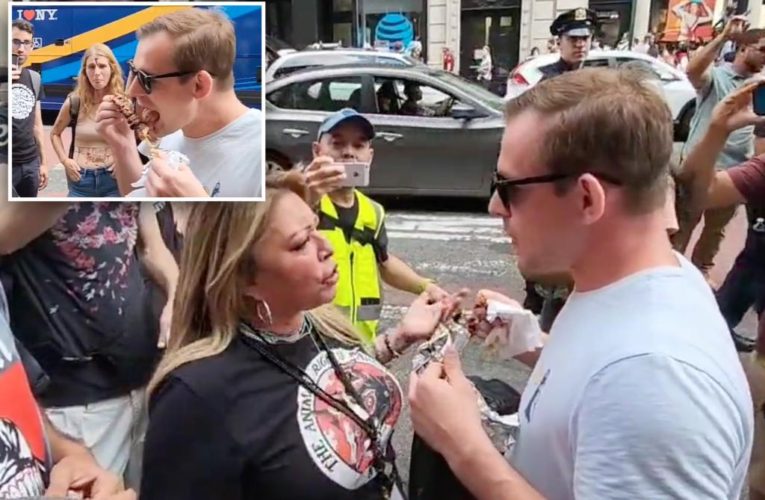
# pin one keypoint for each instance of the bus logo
(39, 14)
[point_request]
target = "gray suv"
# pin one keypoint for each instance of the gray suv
(437, 133)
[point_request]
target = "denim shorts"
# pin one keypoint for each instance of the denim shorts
(94, 183)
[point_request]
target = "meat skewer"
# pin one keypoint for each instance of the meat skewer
(126, 107)
(142, 129)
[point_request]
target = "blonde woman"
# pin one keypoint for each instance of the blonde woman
(89, 168)
(266, 390)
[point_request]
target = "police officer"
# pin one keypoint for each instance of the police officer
(574, 30)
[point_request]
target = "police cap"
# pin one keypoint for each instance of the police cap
(576, 22)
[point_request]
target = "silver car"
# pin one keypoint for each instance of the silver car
(296, 61)
(437, 133)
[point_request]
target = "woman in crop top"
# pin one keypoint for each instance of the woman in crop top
(89, 165)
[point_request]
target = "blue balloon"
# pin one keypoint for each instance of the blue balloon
(395, 28)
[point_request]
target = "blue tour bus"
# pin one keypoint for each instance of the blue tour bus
(63, 33)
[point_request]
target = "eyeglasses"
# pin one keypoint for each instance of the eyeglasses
(145, 79)
(506, 188)
(25, 43)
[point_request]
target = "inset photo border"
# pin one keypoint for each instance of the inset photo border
(161, 108)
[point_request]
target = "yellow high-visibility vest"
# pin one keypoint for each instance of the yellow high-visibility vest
(359, 291)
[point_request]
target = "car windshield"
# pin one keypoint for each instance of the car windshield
(471, 88)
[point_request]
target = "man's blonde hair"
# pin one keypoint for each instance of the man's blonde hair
(204, 40)
(606, 121)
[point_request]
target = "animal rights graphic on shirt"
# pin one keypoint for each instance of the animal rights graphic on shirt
(23, 100)
(338, 446)
(20, 469)
(22, 446)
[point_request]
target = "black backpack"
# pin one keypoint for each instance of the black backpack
(430, 477)
(74, 111)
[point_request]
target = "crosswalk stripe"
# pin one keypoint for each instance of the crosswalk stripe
(445, 227)
(421, 235)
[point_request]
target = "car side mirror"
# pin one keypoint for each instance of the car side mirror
(462, 112)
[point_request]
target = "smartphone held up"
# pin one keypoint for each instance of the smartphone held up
(356, 174)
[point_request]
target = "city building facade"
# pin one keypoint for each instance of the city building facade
(511, 28)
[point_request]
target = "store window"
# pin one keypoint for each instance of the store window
(398, 25)
(279, 20)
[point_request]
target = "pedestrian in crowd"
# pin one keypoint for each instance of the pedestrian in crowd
(267, 391)
(578, 189)
(91, 327)
(30, 166)
(643, 46)
(624, 42)
(89, 162)
(354, 224)
(713, 84)
(744, 183)
(448, 60)
(574, 29)
(668, 55)
(486, 68)
(37, 458)
(552, 45)
(681, 58)
(742, 289)
(183, 72)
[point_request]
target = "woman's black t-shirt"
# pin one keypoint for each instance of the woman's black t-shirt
(234, 426)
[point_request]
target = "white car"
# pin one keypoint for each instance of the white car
(295, 61)
(677, 89)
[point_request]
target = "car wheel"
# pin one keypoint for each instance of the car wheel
(276, 162)
(684, 127)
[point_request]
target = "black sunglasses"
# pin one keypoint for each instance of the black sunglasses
(505, 188)
(145, 79)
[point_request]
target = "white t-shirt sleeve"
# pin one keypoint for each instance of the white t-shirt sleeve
(144, 149)
(632, 437)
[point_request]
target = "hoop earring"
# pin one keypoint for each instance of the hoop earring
(265, 317)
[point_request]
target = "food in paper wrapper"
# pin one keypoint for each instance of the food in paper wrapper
(502, 429)
(515, 330)
(452, 332)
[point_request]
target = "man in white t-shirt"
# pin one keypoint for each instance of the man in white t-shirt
(182, 79)
(638, 391)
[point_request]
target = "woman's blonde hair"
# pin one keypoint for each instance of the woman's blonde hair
(217, 264)
(85, 91)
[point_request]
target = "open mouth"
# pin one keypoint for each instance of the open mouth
(331, 279)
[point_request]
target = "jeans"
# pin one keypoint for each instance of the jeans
(26, 178)
(94, 183)
(744, 287)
